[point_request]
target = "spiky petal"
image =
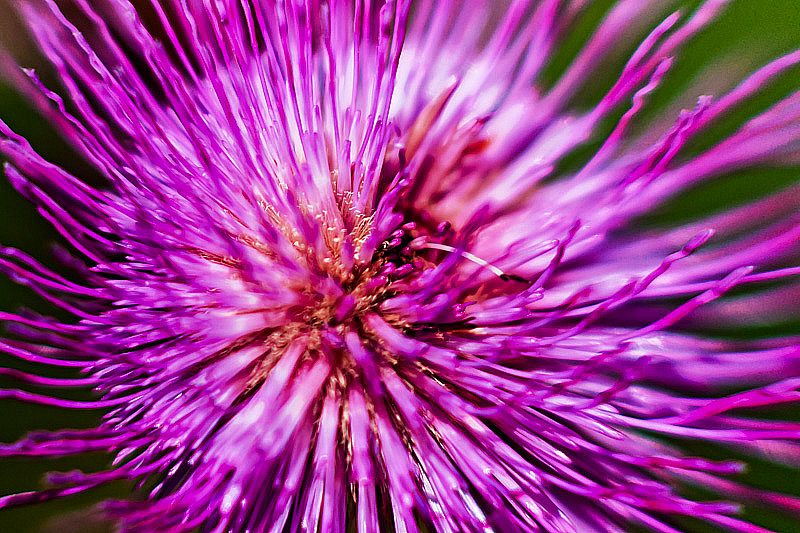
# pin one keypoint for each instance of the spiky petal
(333, 279)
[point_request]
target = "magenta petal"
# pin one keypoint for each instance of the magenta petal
(336, 279)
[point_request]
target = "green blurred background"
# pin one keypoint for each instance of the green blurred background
(748, 34)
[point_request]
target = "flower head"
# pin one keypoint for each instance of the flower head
(335, 275)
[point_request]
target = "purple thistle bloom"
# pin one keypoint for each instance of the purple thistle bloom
(331, 282)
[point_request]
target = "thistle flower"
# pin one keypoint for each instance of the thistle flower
(337, 278)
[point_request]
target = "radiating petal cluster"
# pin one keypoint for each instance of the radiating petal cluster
(338, 278)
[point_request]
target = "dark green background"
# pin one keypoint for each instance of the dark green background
(745, 36)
